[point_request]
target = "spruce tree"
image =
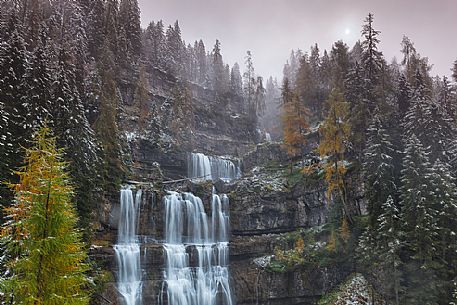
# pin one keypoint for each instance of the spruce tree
(420, 225)
(445, 200)
(129, 20)
(14, 60)
(106, 128)
(355, 94)
(294, 120)
(48, 261)
(378, 168)
(77, 137)
(236, 82)
(388, 249)
(430, 124)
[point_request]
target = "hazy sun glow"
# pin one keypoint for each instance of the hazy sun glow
(347, 31)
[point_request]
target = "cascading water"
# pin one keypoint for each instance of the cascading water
(201, 280)
(211, 168)
(127, 249)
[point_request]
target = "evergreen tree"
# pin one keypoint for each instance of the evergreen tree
(95, 27)
(105, 126)
(306, 87)
(13, 66)
(259, 97)
(236, 82)
(201, 61)
(445, 200)
(355, 94)
(414, 63)
(420, 225)
(129, 20)
(294, 120)
(430, 124)
(111, 39)
(372, 61)
(389, 249)
(249, 80)
(48, 259)
(38, 80)
(403, 95)
(74, 133)
(173, 49)
(219, 81)
(339, 60)
(378, 168)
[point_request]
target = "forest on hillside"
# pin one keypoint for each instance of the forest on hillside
(71, 71)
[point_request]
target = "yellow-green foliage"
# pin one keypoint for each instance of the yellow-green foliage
(335, 131)
(292, 256)
(47, 260)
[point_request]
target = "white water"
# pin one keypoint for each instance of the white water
(211, 168)
(127, 249)
(196, 251)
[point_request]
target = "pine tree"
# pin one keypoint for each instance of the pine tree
(249, 81)
(201, 61)
(355, 94)
(389, 248)
(236, 82)
(306, 87)
(219, 82)
(420, 225)
(294, 120)
(372, 60)
(173, 49)
(129, 20)
(445, 200)
(339, 60)
(430, 124)
(95, 27)
(105, 126)
(378, 168)
(13, 66)
(38, 80)
(48, 259)
(403, 95)
(334, 133)
(74, 133)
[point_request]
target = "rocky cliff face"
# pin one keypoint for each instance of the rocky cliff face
(264, 207)
(217, 124)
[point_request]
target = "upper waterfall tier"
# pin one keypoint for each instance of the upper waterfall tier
(211, 168)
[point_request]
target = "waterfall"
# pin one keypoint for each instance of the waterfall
(211, 168)
(196, 251)
(127, 249)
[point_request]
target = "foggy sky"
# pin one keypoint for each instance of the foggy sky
(272, 28)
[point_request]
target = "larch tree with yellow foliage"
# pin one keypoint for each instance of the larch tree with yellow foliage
(46, 260)
(294, 119)
(334, 132)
